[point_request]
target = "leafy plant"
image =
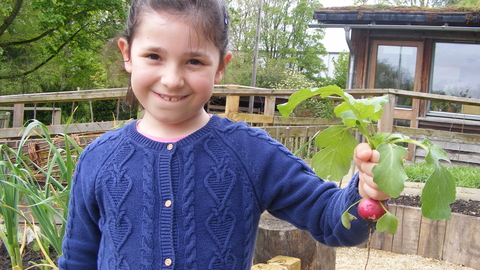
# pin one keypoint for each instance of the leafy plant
(9, 206)
(47, 199)
(337, 146)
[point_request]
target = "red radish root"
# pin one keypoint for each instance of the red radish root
(371, 209)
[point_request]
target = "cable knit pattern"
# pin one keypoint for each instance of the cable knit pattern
(196, 203)
(221, 222)
(249, 226)
(117, 186)
(148, 212)
(188, 210)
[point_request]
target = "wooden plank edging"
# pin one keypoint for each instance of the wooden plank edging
(456, 240)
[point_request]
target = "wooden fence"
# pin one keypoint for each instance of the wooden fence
(293, 132)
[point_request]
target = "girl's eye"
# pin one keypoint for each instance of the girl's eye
(153, 57)
(195, 62)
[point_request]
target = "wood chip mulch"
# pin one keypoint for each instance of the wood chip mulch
(354, 258)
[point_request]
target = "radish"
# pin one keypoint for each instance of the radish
(371, 209)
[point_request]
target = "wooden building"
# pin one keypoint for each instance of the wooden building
(417, 49)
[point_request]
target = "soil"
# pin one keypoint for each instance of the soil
(29, 255)
(466, 207)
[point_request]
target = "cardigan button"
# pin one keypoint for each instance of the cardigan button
(169, 146)
(168, 262)
(168, 203)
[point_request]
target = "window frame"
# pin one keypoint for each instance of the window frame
(456, 115)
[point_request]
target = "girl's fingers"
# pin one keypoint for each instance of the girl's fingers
(375, 156)
(367, 188)
(363, 152)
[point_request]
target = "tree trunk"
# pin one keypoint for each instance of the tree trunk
(277, 237)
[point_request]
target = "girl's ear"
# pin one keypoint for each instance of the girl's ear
(221, 68)
(125, 49)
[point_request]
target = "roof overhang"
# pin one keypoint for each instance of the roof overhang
(397, 18)
(397, 27)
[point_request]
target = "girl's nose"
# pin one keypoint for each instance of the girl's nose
(172, 77)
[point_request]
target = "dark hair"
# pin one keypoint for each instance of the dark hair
(208, 16)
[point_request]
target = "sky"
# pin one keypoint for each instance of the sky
(334, 40)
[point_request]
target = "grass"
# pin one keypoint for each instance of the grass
(465, 176)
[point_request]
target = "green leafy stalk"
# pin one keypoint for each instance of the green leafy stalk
(9, 203)
(337, 145)
(49, 202)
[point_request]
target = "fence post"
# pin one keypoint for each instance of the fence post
(232, 104)
(56, 116)
(269, 105)
(18, 113)
(4, 120)
(385, 124)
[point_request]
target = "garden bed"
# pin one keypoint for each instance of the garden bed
(466, 207)
(29, 255)
(455, 240)
(423, 237)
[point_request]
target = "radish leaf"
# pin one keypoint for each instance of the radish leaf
(297, 97)
(347, 218)
(439, 190)
(333, 160)
(388, 222)
(389, 174)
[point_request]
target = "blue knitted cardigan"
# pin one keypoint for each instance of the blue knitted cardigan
(194, 204)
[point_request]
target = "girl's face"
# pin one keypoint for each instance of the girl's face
(173, 69)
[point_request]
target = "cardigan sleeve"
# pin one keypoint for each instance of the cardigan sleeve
(81, 241)
(291, 191)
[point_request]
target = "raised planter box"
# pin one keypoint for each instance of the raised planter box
(456, 240)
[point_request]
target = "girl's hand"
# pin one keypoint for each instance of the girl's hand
(365, 158)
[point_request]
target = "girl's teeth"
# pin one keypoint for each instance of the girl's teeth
(172, 99)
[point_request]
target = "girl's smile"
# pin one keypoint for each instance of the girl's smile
(172, 98)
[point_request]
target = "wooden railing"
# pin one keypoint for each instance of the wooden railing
(232, 94)
(291, 136)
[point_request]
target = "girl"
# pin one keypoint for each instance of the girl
(182, 189)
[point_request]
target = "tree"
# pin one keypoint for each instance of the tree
(470, 3)
(286, 42)
(43, 42)
(340, 71)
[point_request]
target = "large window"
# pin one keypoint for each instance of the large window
(397, 64)
(396, 69)
(455, 72)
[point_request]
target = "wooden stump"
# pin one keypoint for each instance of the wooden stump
(277, 237)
